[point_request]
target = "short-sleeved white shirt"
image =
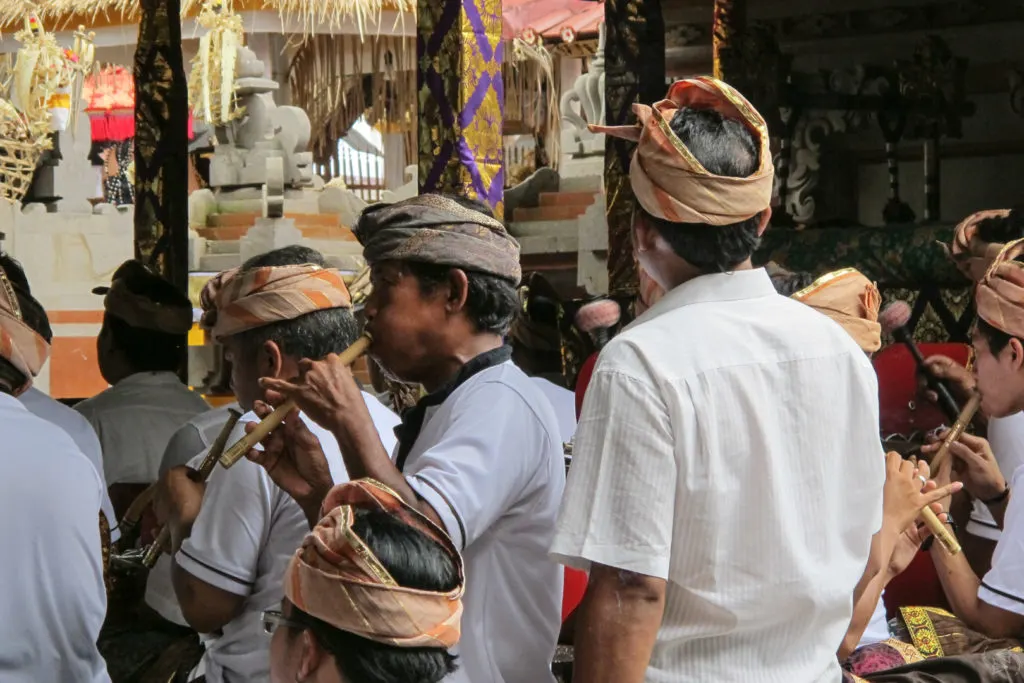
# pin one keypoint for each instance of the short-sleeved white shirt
(134, 420)
(195, 436)
(1003, 585)
(564, 403)
(1006, 436)
(241, 542)
(729, 444)
(53, 599)
(489, 461)
(82, 433)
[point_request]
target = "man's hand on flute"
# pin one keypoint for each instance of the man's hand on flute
(177, 502)
(293, 458)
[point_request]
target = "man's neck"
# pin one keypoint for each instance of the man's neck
(687, 272)
(448, 367)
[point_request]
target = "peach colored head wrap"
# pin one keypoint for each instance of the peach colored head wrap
(851, 300)
(19, 344)
(667, 179)
(971, 255)
(999, 297)
(336, 578)
(236, 301)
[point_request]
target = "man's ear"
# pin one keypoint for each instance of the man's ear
(458, 290)
(1016, 351)
(270, 359)
(645, 237)
(312, 657)
(766, 216)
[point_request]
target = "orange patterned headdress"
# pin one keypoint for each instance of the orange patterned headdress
(667, 179)
(19, 344)
(999, 297)
(235, 301)
(336, 578)
(851, 300)
(971, 255)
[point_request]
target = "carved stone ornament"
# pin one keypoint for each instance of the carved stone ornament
(588, 94)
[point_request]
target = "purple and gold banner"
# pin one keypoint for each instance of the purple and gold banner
(461, 99)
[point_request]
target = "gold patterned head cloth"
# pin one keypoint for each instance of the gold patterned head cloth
(971, 255)
(999, 297)
(19, 344)
(239, 300)
(336, 578)
(851, 300)
(667, 179)
(432, 228)
(130, 298)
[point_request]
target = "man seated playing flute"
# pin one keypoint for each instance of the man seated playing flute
(374, 595)
(480, 455)
(724, 525)
(232, 538)
(53, 598)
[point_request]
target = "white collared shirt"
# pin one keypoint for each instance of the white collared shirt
(53, 600)
(246, 533)
(1003, 585)
(1006, 437)
(82, 433)
(729, 445)
(489, 461)
(134, 420)
(195, 436)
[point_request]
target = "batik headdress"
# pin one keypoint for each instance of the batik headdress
(850, 299)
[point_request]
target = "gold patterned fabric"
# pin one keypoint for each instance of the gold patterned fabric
(851, 300)
(971, 255)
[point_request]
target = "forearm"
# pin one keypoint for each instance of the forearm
(617, 626)
(960, 584)
(869, 589)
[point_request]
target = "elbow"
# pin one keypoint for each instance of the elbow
(629, 587)
(849, 645)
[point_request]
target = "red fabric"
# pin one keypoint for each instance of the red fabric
(572, 594)
(897, 388)
(917, 586)
(117, 126)
(582, 380)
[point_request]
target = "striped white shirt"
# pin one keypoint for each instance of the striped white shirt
(729, 444)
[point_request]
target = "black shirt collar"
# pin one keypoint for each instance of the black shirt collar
(412, 418)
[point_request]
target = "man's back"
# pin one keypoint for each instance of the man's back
(748, 475)
(135, 419)
(81, 432)
(53, 598)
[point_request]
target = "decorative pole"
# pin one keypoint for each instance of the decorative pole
(730, 17)
(461, 99)
(161, 143)
(634, 72)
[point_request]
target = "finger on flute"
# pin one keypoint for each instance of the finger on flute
(956, 431)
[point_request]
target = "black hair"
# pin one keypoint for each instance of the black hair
(491, 301)
(1003, 228)
(414, 561)
(10, 376)
(313, 335)
(148, 350)
(789, 283)
(725, 147)
(32, 312)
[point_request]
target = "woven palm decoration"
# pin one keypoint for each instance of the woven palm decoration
(211, 84)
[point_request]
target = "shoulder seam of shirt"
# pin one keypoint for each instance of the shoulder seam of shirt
(517, 392)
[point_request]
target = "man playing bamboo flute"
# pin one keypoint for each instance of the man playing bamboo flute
(480, 455)
(724, 524)
(53, 598)
(233, 537)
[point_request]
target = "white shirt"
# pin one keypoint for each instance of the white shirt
(729, 445)
(489, 461)
(1006, 436)
(135, 419)
(82, 433)
(195, 436)
(1003, 585)
(192, 439)
(564, 403)
(241, 542)
(51, 568)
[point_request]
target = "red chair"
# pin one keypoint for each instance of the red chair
(903, 411)
(572, 594)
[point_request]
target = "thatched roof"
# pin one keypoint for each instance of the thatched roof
(313, 14)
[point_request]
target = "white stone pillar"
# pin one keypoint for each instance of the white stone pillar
(395, 160)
